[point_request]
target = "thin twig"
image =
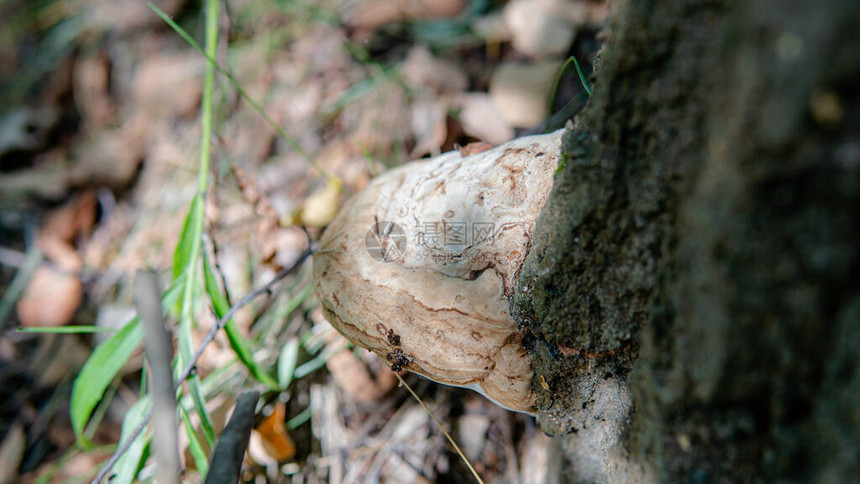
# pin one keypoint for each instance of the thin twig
(158, 352)
(439, 424)
(193, 361)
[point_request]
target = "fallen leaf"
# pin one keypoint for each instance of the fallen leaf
(353, 377)
(276, 440)
(422, 69)
(536, 30)
(122, 16)
(50, 299)
(521, 92)
(91, 88)
(321, 207)
(474, 148)
(482, 118)
(369, 15)
(168, 85)
(429, 127)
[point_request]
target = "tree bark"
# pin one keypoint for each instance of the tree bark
(692, 294)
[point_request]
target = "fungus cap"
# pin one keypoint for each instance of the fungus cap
(418, 267)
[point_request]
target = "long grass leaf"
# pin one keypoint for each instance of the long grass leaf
(127, 466)
(237, 342)
(194, 445)
(185, 247)
(100, 369)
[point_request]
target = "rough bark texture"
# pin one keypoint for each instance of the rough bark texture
(693, 287)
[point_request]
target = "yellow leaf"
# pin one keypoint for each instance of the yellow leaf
(321, 207)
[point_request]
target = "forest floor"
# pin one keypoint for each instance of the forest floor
(100, 148)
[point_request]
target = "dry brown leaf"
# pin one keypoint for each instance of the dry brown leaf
(273, 432)
(50, 299)
(63, 226)
(369, 15)
(536, 29)
(380, 119)
(91, 89)
(429, 126)
(353, 377)
(109, 158)
(122, 16)
(474, 148)
(521, 92)
(168, 85)
(482, 119)
(54, 293)
(75, 217)
(421, 69)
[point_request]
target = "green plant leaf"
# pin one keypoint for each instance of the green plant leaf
(127, 466)
(100, 369)
(188, 237)
(194, 445)
(299, 419)
(237, 342)
(294, 303)
(287, 362)
(200, 407)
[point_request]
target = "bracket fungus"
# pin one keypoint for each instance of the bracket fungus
(418, 267)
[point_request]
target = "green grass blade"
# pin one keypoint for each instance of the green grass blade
(581, 76)
(311, 366)
(287, 363)
(194, 445)
(186, 266)
(200, 406)
(98, 372)
(299, 419)
(294, 303)
(561, 72)
(182, 256)
(185, 258)
(126, 467)
(187, 261)
(237, 342)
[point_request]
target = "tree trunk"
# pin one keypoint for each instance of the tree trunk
(693, 287)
